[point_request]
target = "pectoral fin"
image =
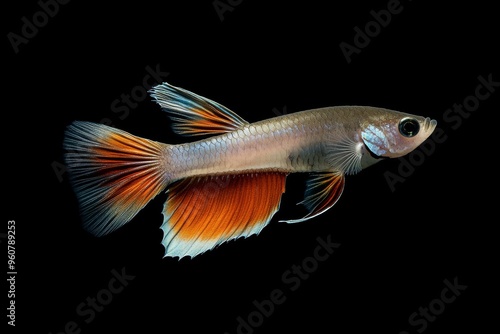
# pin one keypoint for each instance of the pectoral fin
(203, 212)
(322, 192)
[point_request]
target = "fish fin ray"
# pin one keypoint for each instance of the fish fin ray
(345, 154)
(193, 114)
(322, 192)
(204, 212)
(114, 174)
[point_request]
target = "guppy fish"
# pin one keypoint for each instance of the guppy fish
(230, 184)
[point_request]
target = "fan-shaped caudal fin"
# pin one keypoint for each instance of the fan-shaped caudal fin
(193, 114)
(114, 174)
(322, 192)
(203, 212)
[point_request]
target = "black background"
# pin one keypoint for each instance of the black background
(397, 247)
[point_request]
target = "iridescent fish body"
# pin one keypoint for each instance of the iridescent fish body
(228, 185)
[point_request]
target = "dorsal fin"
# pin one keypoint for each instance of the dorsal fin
(322, 192)
(193, 114)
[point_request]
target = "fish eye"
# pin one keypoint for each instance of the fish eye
(409, 127)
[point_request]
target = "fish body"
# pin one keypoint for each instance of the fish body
(306, 141)
(228, 185)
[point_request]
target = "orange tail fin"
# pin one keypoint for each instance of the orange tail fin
(114, 174)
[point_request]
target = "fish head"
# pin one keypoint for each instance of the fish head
(392, 134)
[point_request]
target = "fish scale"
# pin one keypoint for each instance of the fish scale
(267, 145)
(228, 185)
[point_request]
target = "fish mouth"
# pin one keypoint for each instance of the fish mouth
(429, 124)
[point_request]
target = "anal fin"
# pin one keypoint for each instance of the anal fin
(322, 192)
(203, 212)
